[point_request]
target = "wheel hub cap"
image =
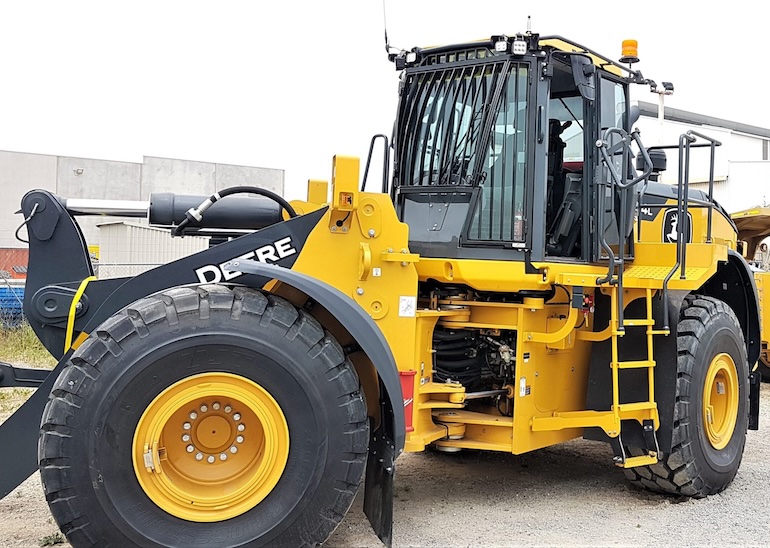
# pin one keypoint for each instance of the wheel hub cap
(720, 401)
(210, 447)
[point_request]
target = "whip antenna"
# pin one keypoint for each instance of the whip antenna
(385, 26)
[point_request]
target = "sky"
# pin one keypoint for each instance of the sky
(288, 85)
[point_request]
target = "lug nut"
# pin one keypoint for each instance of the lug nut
(241, 428)
(186, 438)
(199, 456)
(228, 408)
(193, 415)
(186, 426)
(204, 408)
(190, 448)
(239, 439)
(237, 417)
(211, 459)
(233, 449)
(215, 406)
(223, 456)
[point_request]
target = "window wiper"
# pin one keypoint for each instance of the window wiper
(458, 163)
(476, 176)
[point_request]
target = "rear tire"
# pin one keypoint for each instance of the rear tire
(210, 369)
(711, 409)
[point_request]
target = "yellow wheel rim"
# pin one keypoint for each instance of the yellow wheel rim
(210, 447)
(720, 401)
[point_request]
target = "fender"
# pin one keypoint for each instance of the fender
(387, 442)
(734, 284)
(353, 318)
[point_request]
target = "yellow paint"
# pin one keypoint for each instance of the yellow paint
(210, 447)
(317, 191)
(73, 312)
(361, 248)
(720, 401)
(762, 280)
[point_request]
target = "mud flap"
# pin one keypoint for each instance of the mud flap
(378, 491)
(755, 382)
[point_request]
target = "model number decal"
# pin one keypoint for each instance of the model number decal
(270, 253)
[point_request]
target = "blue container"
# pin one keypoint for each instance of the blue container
(11, 299)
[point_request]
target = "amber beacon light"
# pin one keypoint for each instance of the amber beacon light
(630, 50)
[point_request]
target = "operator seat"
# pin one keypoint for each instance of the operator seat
(556, 146)
(564, 231)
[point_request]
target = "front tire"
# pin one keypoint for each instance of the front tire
(711, 409)
(204, 417)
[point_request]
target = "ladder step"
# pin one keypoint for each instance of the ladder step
(638, 406)
(644, 460)
(660, 332)
(641, 364)
(638, 321)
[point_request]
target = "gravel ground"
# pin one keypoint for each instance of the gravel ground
(566, 495)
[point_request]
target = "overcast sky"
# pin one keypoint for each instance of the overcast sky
(289, 84)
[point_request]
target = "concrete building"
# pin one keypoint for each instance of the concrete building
(742, 162)
(104, 179)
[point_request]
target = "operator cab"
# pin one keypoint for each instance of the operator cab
(495, 154)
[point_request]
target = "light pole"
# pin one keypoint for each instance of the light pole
(668, 89)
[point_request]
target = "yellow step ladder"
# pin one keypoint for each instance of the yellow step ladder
(645, 412)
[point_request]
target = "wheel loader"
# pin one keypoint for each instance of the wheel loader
(518, 277)
(753, 227)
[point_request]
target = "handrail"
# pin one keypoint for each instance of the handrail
(625, 185)
(385, 163)
(686, 141)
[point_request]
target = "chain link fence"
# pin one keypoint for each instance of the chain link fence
(12, 287)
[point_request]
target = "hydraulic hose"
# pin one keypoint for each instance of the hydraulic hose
(196, 213)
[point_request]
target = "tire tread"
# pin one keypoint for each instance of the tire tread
(75, 381)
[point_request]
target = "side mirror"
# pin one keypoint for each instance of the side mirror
(583, 72)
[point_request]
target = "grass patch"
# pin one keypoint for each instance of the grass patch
(20, 346)
(13, 398)
(50, 540)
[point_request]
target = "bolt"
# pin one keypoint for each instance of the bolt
(216, 406)
(190, 448)
(371, 233)
(223, 456)
(344, 229)
(193, 415)
(334, 229)
(233, 449)
(204, 408)
(186, 426)
(360, 291)
(241, 428)
(237, 417)
(211, 459)
(239, 439)
(186, 438)
(199, 456)
(228, 408)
